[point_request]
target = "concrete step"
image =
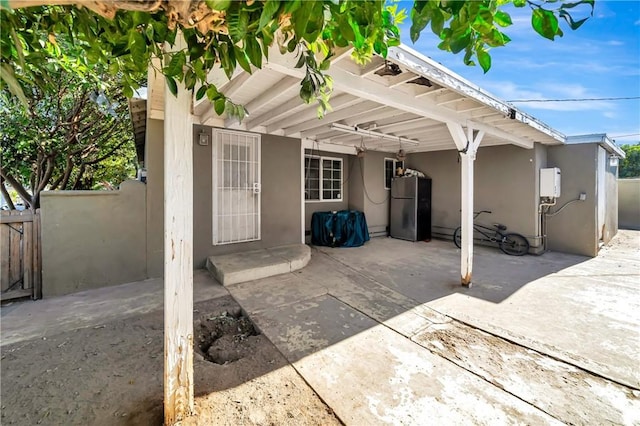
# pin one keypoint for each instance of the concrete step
(252, 265)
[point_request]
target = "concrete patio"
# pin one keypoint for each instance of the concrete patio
(384, 333)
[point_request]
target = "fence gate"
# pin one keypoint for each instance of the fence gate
(20, 258)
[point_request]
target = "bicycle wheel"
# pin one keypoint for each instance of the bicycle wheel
(457, 236)
(514, 245)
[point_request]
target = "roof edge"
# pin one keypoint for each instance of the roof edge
(600, 138)
(427, 67)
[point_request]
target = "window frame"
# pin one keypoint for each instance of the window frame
(395, 167)
(320, 159)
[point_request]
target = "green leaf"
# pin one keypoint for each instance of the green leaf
(437, 22)
(578, 3)
(484, 59)
(545, 23)
(137, 45)
(175, 67)
(519, 3)
(242, 59)
(14, 87)
(301, 16)
(502, 18)
(253, 51)
(127, 91)
(18, 46)
(219, 106)
(269, 9)
(574, 25)
(218, 4)
(201, 92)
(212, 92)
(173, 87)
(460, 43)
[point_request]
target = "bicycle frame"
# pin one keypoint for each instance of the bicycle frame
(511, 243)
(486, 232)
(491, 234)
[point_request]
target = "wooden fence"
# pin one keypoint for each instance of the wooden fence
(20, 255)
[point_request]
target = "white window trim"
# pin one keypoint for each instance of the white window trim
(384, 170)
(322, 200)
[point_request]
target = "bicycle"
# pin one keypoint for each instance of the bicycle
(510, 243)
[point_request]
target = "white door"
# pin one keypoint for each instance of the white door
(236, 187)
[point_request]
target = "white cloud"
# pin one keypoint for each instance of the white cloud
(615, 43)
(637, 22)
(609, 114)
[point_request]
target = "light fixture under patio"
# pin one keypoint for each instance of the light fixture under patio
(355, 130)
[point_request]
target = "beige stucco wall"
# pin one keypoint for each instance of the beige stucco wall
(505, 183)
(154, 163)
(321, 206)
(92, 239)
(376, 197)
(573, 230)
(629, 203)
(611, 209)
(280, 197)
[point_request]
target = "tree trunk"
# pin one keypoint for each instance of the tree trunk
(28, 199)
(6, 196)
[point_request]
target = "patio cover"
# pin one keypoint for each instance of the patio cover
(425, 106)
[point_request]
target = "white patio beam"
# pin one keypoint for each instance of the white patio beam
(178, 252)
(377, 92)
(467, 146)
(289, 106)
(276, 91)
(334, 116)
(311, 111)
(385, 114)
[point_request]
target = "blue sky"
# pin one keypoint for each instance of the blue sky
(599, 60)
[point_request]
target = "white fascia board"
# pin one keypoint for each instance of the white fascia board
(428, 68)
(600, 138)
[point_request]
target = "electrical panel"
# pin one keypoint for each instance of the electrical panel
(550, 182)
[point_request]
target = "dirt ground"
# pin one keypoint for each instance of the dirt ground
(111, 374)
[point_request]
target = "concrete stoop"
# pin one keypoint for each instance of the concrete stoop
(252, 265)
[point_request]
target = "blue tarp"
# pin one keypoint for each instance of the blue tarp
(346, 228)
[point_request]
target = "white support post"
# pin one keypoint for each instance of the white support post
(178, 254)
(467, 147)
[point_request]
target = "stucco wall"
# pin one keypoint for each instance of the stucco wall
(321, 206)
(505, 183)
(92, 239)
(611, 209)
(154, 163)
(629, 203)
(573, 230)
(376, 197)
(280, 197)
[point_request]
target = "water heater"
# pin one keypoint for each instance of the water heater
(550, 182)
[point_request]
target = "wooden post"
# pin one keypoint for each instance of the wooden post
(467, 147)
(178, 253)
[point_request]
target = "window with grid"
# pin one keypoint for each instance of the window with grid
(323, 178)
(390, 167)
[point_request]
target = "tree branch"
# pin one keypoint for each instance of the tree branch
(79, 177)
(17, 186)
(108, 154)
(6, 195)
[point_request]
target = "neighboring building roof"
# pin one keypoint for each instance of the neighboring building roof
(600, 138)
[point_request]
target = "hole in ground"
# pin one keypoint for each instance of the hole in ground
(225, 337)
